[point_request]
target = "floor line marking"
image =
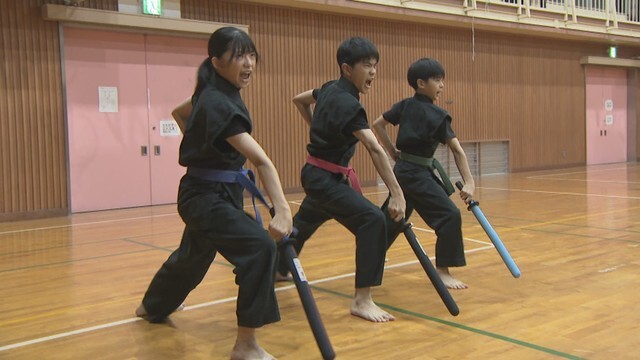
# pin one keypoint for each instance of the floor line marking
(580, 172)
(562, 193)
(587, 180)
(465, 238)
(9, 232)
(192, 307)
(297, 202)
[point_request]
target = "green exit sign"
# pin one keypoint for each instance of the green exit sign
(152, 7)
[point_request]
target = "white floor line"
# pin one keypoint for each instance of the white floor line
(85, 224)
(468, 239)
(377, 192)
(432, 258)
(69, 333)
(297, 202)
(563, 193)
(584, 180)
(580, 172)
(197, 306)
(103, 221)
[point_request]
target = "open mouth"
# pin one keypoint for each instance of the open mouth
(368, 83)
(245, 75)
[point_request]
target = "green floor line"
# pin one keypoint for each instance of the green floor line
(434, 319)
(148, 245)
(171, 250)
(585, 236)
(71, 261)
(460, 326)
(560, 223)
(333, 292)
(103, 257)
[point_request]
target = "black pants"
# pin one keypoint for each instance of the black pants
(424, 192)
(215, 222)
(365, 220)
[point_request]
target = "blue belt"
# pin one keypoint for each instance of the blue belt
(244, 177)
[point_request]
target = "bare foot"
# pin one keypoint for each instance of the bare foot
(448, 279)
(364, 307)
(142, 312)
(243, 352)
(280, 277)
(247, 347)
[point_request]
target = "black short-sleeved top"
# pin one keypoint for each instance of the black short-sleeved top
(218, 113)
(423, 125)
(337, 114)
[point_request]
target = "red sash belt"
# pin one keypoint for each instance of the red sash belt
(337, 169)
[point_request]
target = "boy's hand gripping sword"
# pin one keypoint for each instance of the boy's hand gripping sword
(474, 207)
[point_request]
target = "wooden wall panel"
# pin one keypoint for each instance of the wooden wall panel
(499, 86)
(637, 75)
(33, 156)
(33, 178)
(531, 91)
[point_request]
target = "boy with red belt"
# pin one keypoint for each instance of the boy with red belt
(338, 121)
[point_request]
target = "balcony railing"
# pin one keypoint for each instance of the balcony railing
(611, 11)
(612, 17)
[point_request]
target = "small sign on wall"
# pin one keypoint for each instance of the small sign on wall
(152, 7)
(608, 120)
(108, 99)
(608, 104)
(169, 128)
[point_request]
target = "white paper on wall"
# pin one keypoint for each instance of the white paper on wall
(169, 128)
(108, 99)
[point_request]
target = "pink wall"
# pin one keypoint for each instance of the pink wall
(606, 94)
(152, 74)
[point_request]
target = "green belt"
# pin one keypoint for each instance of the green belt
(431, 164)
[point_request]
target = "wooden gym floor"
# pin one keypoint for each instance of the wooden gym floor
(70, 285)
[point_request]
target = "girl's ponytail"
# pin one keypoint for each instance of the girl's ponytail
(205, 72)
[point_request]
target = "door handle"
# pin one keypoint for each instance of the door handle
(600, 132)
(143, 150)
(156, 150)
(605, 133)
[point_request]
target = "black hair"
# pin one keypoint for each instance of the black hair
(354, 50)
(424, 69)
(224, 39)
